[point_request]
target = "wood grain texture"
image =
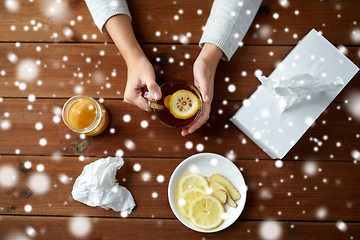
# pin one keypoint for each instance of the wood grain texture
(118, 228)
(296, 191)
(98, 70)
(71, 21)
(335, 127)
(159, 140)
(52, 50)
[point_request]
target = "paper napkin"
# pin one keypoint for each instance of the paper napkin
(97, 186)
(298, 88)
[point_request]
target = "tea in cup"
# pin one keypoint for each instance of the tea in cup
(182, 103)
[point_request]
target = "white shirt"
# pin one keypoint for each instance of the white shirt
(226, 26)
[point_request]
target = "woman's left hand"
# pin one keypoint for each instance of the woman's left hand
(204, 73)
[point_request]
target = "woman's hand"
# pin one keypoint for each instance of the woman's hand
(140, 71)
(141, 76)
(204, 74)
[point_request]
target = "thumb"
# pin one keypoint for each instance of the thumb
(203, 83)
(154, 89)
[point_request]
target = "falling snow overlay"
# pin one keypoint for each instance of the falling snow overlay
(52, 50)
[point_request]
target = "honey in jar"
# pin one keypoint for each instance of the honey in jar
(85, 115)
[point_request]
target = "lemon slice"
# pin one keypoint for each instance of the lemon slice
(183, 104)
(206, 212)
(187, 198)
(167, 101)
(192, 180)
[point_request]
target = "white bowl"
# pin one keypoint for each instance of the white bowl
(207, 164)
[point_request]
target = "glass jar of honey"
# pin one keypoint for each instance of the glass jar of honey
(84, 115)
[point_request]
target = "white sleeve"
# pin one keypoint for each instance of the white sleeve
(228, 23)
(102, 10)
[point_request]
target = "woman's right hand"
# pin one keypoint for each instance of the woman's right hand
(141, 78)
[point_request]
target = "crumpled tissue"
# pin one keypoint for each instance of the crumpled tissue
(97, 186)
(295, 89)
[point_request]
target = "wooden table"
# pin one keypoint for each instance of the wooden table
(51, 50)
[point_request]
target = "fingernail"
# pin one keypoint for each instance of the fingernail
(206, 98)
(146, 95)
(157, 96)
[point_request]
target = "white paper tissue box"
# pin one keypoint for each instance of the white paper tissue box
(263, 119)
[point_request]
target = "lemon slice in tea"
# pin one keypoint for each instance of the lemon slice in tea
(167, 101)
(183, 104)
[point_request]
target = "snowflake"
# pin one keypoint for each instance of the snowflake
(42, 142)
(137, 167)
(5, 125)
(39, 183)
(189, 145)
(119, 153)
(8, 176)
(27, 208)
(321, 213)
(27, 70)
(284, 3)
(160, 178)
(231, 88)
(270, 230)
(127, 118)
(146, 176)
(12, 5)
(144, 124)
(63, 178)
(40, 168)
(129, 144)
(341, 226)
(200, 147)
(80, 226)
(278, 163)
(183, 39)
(30, 231)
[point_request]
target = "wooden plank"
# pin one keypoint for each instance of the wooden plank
(320, 230)
(219, 135)
(335, 19)
(102, 228)
(299, 190)
(69, 69)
